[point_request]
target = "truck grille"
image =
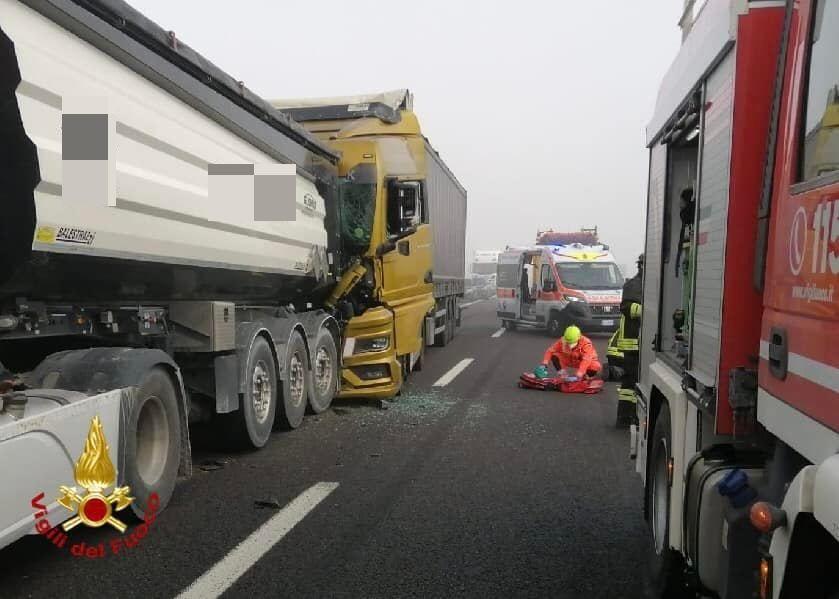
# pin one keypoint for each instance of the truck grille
(605, 309)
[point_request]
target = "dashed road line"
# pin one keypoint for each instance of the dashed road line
(499, 332)
(467, 304)
(451, 374)
(241, 558)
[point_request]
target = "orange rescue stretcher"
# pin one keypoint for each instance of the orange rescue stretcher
(558, 383)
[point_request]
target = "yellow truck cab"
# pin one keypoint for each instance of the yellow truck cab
(401, 236)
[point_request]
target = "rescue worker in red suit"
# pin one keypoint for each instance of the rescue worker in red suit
(574, 354)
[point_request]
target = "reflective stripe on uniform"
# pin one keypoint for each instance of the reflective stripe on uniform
(626, 395)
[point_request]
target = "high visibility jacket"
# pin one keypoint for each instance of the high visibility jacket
(632, 295)
(583, 357)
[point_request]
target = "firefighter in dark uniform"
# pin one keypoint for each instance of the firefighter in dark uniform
(19, 170)
(626, 343)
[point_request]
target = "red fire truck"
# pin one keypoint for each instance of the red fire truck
(738, 392)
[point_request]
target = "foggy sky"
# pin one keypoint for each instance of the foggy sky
(538, 107)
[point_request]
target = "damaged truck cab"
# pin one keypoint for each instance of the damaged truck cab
(401, 236)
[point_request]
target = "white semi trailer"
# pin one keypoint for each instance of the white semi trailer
(150, 305)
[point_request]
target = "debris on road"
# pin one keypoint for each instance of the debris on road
(418, 404)
(212, 465)
(272, 503)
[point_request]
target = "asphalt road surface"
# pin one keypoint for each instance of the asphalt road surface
(465, 487)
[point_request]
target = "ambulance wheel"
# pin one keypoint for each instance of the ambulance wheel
(324, 372)
(153, 443)
(294, 391)
(665, 573)
(556, 326)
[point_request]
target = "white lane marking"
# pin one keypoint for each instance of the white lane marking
(220, 577)
(467, 304)
(456, 370)
(499, 332)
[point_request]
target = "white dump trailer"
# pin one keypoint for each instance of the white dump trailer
(154, 294)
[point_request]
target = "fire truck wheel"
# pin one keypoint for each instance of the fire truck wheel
(153, 442)
(294, 386)
(324, 372)
(666, 568)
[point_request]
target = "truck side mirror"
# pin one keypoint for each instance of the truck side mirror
(404, 207)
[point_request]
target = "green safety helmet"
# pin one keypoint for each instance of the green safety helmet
(572, 335)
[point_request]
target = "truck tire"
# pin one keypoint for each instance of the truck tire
(153, 441)
(509, 325)
(665, 575)
(251, 424)
(555, 326)
(442, 339)
(449, 322)
(324, 372)
(294, 385)
(421, 358)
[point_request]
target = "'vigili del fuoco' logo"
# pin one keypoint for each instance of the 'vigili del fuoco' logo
(95, 474)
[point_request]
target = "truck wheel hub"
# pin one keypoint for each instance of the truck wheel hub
(323, 370)
(261, 391)
(296, 379)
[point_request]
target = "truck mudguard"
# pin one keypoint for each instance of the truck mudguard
(102, 369)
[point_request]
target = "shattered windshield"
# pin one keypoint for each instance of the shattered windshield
(590, 275)
(357, 201)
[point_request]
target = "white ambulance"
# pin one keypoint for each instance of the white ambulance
(554, 286)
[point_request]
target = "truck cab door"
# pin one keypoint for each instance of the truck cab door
(407, 262)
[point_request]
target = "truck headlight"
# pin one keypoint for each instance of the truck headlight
(574, 298)
(371, 344)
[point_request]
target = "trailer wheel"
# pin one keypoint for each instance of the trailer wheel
(153, 441)
(441, 339)
(324, 372)
(450, 319)
(252, 423)
(294, 385)
(421, 358)
(666, 568)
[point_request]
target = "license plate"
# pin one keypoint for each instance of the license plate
(607, 323)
